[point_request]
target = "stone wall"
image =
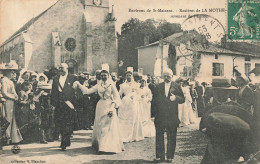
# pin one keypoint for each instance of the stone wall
(64, 17)
(77, 19)
(103, 39)
(147, 58)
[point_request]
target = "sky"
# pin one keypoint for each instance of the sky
(15, 13)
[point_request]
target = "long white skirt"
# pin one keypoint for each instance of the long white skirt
(130, 120)
(106, 135)
(147, 123)
(186, 114)
(12, 132)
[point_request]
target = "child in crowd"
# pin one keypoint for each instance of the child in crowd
(24, 107)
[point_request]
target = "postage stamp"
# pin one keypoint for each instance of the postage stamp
(243, 19)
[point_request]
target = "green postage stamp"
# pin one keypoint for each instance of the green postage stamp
(243, 19)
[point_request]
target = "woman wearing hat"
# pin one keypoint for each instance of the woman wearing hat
(8, 91)
(245, 96)
(24, 76)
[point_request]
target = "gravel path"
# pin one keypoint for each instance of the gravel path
(190, 148)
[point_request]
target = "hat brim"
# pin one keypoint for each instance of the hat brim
(47, 87)
(10, 69)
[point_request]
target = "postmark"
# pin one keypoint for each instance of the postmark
(202, 34)
(205, 33)
(243, 19)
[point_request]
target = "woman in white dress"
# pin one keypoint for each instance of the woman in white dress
(9, 94)
(106, 135)
(187, 114)
(145, 110)
(129, 112)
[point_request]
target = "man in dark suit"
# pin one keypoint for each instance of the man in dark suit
(63, 99)
(94, 98)
(200, 100)
(152, 87)
(167, 97)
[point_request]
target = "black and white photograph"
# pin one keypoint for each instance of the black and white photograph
(119, 81)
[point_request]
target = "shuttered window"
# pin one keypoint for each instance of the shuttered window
(257, 69)
(218, 69)
(247, 68)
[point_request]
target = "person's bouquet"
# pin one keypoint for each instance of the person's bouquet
(131, 95)
(110, 114)
(111, 111)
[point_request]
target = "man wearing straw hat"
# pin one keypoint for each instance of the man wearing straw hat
(9, 94)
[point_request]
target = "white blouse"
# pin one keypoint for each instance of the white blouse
(8, 89)
(106, 91)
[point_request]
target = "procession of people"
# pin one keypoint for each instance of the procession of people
(45, 107)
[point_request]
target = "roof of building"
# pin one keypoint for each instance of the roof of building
(26, 25)
(237, 48)
(213, 49)
(245, 47)
(173, 36)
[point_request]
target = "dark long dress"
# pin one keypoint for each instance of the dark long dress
(94, 98)
(200, 101)
(26, 119)
(249, 100)
(152, 87)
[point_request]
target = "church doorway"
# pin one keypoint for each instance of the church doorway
(73, 66)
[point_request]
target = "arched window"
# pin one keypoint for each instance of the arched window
(70, 44)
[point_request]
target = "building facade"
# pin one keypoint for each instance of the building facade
(198, 63)
(78, 32)
(214, 65)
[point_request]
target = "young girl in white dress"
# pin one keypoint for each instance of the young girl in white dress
(106, 136)
(187, 114)
(145, 110)
(129, 112)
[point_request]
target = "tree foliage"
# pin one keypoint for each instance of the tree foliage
(166, 29)
(196, 63)
(133, 34)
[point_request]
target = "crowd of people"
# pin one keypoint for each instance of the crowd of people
(43, 107)
(31, 114)
(27, 105)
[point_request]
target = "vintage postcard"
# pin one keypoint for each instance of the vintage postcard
(114, 81)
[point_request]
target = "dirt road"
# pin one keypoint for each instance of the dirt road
(190, 148)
